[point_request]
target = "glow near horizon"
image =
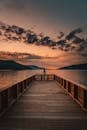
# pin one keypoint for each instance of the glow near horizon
(48, 16)
(31, 49)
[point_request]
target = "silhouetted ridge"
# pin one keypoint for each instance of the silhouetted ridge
(76, 67)
(9, 64)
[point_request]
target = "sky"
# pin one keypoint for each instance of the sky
(47, 16)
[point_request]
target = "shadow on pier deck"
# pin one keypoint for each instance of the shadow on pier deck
(44, 105)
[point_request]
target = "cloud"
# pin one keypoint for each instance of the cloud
(72, 34)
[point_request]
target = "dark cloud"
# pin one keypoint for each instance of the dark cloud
(72, 34)
(61, 35)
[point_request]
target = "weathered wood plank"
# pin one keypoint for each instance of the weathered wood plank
(45, 106)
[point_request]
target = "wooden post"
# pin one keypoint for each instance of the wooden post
(76, 91)
(4, 99)
(85, 99)
(25, 84)
(0, 103)
(65, 84)
(54, 77)
(15, 91)
(69, 87)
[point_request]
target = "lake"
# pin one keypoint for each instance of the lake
(78, 76)
(7, 78)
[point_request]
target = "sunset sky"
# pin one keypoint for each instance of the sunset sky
(48, 16)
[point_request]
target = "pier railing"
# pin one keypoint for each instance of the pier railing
(44, 77)
(9, 95)
(77, 91)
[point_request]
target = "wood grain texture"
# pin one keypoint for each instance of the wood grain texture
(44, 106)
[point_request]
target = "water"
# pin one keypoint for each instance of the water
(8, 78)
(78, 76)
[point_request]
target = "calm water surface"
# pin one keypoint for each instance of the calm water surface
(7, 78)
(78, 76)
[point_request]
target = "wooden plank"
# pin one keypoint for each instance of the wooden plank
(45, 106)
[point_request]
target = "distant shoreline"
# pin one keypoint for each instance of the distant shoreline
(75, 67)
(12, 65)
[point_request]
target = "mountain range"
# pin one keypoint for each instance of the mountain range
(69, 42)
(12, 65)
(75, 67)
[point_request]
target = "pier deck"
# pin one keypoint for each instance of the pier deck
(44, 106)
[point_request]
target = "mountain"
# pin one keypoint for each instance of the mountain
(9, 64)
(76, 67)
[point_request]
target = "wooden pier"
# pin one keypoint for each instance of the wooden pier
(43, 103)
